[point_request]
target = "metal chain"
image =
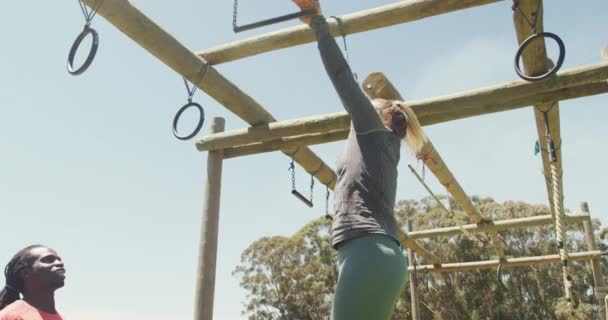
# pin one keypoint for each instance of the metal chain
(235, 12)
(292, 167)
(201, 74)
(312, 185)
(327, 201)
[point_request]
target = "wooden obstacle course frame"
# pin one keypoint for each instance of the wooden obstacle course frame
(573, 83)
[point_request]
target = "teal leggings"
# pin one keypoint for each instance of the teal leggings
(371, 276)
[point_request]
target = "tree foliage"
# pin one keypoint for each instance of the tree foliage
(290, 277)
(294, 277)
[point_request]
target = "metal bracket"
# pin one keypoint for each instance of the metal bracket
(267, 22)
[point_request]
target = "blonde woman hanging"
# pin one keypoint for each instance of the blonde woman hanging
(372, 267)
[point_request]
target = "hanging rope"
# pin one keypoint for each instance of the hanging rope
(560, 216)
(89, 14)
(533, 26)
(343, 34)
(424, 158)
(450, 214)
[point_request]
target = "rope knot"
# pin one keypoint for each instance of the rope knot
(425, 157)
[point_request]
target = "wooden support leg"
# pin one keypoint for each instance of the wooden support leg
(205, 275)
(413, 282)
(598, 277)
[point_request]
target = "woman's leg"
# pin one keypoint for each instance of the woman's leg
(372, 275)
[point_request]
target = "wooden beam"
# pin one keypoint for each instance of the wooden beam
(410, 243)
(411, 261)
(133, 23)
(380, 17)
(270, 131)
(332, 136)
(506, 263)
(571, 83)
(433, 160)
(496, 226)
(282, 143)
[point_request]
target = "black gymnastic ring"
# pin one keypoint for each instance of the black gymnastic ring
(522, 47)
(87, 30)
(199, 125)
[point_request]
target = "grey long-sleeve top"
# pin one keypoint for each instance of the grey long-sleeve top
(367, 167)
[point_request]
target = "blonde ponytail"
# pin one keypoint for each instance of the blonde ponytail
(415, 138)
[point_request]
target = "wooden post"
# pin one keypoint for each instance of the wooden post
(205, 279)
(411, 256)
(598, 277)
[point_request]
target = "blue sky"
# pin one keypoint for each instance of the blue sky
(89, 165)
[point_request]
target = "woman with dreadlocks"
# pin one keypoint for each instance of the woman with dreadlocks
(34, 273)
(372, 269)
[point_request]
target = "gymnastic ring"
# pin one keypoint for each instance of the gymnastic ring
(199, 125)
(87, 30)
(522, 47)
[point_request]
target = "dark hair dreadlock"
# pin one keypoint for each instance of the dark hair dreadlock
(14, 283)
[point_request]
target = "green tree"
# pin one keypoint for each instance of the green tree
(290, 277)
(294, 277)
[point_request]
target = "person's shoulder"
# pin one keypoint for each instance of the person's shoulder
(12, 310)
(19, 310)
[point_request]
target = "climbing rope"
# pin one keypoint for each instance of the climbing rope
(343, 34)
(191, 104)
(450, 213)
(560, 216)
(534, 25)
(89, 14)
